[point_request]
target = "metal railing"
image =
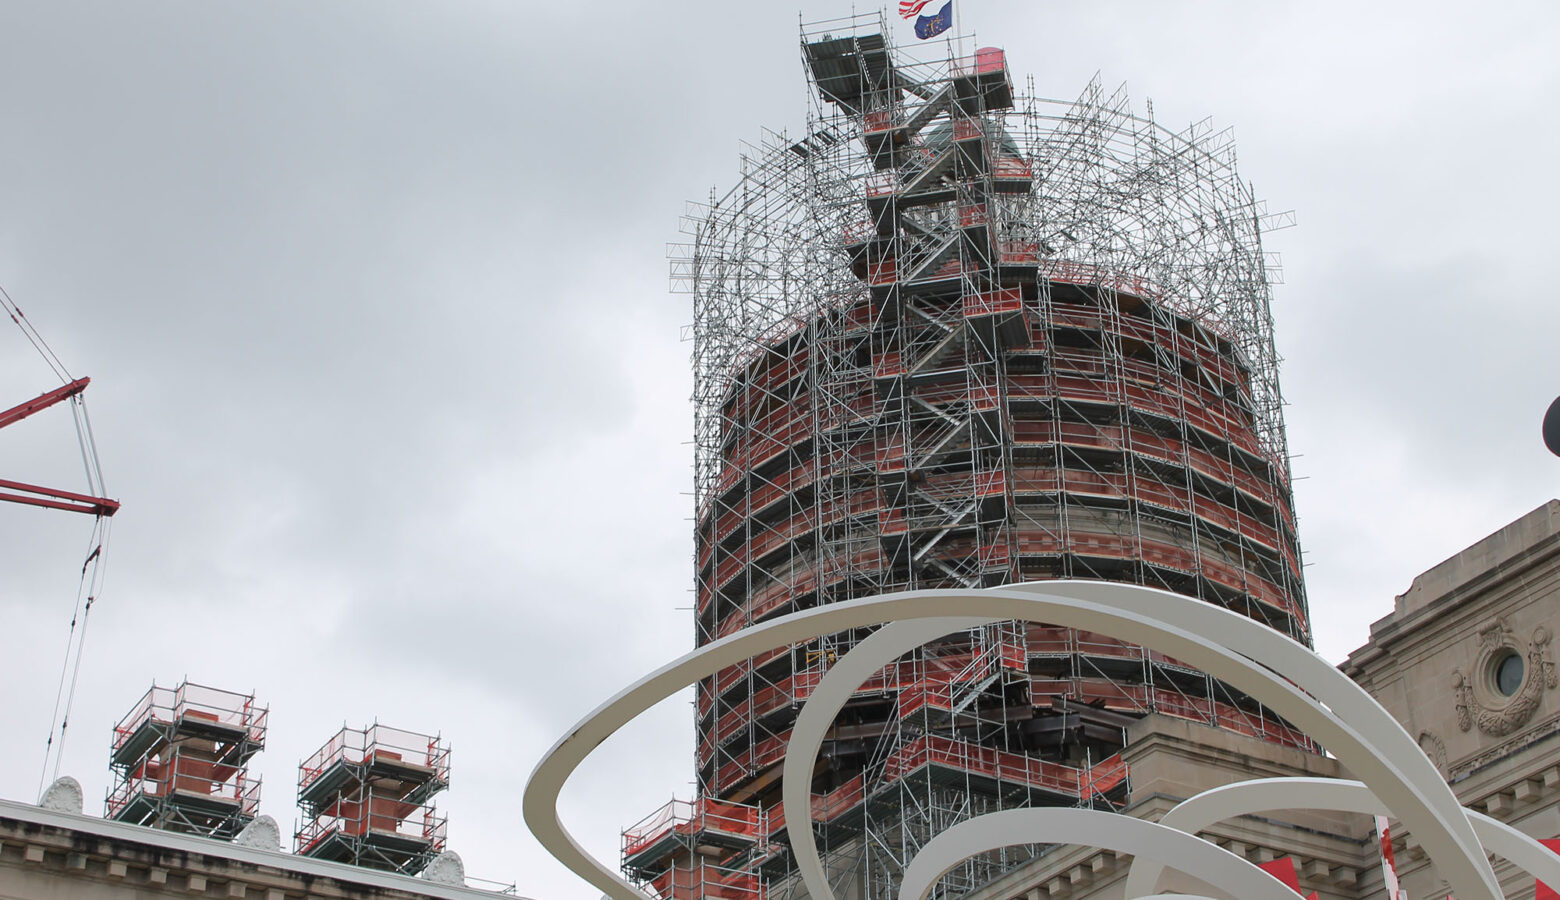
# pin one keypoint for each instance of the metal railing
(195, 778)
(171, 705)
(379, 743)
(375, 814)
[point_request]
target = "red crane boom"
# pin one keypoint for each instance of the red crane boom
(34, 495)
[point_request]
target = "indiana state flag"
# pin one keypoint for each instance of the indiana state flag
(932, 26)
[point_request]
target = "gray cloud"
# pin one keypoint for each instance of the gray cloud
(388, 379)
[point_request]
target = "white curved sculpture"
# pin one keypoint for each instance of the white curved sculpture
(1339, 795)
(1109, 831)
(1396, 766)
(1247, 655)
(841, 682)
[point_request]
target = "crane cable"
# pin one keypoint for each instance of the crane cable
(92, 586)
(33, 337)
(89, 587)
(93, 569)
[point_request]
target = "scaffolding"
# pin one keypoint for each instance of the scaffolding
(181, 760)
(959, 336)
(367, 799)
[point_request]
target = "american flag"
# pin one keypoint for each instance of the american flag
(908, 8)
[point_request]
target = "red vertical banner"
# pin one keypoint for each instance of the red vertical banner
(1542, 891)
(1389, 875)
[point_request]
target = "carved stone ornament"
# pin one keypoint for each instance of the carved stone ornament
(1434, 748)
(261, 834)
(1479, 700)
(64, 795)
(446, 868)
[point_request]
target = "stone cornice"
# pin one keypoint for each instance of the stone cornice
(156, 860)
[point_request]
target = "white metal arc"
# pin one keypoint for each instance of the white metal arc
(1392, 762)
(1210, 863)
(857, 665)
(1266, 794)
(833, 690)
(1426, 806)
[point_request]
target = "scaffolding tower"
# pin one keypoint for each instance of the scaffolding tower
(367, 799)
(958, 336)
(181, 760)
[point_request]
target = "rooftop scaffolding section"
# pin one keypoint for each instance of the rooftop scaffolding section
(181, 758)
(367, 799)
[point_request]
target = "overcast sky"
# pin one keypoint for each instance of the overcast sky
(387, 376)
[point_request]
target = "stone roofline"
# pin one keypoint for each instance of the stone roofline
(31, 836)
(1498, 556)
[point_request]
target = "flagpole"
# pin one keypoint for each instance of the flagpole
(955, 46)
(956, 25)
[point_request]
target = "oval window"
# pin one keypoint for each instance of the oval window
(1508, 674)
